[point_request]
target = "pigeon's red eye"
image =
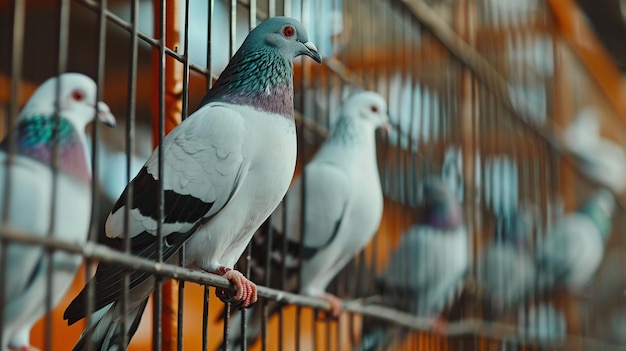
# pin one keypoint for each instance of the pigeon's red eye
(374, 108)
(289, 31)
(78, 95)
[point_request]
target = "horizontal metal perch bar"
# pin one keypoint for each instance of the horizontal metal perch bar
(495, 331)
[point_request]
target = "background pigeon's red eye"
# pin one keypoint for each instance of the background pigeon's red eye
(374, 108)
(78, 95)
(289, 31)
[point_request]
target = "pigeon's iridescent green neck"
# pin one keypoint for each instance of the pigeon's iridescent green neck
(259, 77)
(34, 138)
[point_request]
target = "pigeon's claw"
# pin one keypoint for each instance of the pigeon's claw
(24, 348)
(336, 305)
(246, 294)
(440, 326)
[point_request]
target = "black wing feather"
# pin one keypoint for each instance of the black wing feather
(108, 276)
(145, 199)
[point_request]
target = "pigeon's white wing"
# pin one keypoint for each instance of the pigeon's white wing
(202, 162)
(203, 167)
(327, 195)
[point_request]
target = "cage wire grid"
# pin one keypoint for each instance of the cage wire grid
(476, 101)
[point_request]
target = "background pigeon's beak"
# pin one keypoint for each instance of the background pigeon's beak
(386, 125)
(312, 52)
(104, 114)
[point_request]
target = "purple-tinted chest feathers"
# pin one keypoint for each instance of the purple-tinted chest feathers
(35, 138)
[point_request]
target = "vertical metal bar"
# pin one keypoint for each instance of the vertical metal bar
(185, 107)
(205, 318)
(158, 294)
(268, 279)
(271, 5)
(101, 40)
(233, 27)
(244, 312)
(209, 52)
(253, 15)
(209, 84)
(63, 39)
(303, 153)
(130, 143)
(226, 326)
(17, 53)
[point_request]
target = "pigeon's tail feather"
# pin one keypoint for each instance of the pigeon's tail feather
(105, 333)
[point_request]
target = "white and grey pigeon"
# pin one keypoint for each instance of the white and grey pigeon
(343, 207)
(427, 270)
(599, 158)
(570, 253)
(226, 168)
(507, 268)
(30, 197)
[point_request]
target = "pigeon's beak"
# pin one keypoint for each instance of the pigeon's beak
(387, 125)
(312, 52)
(104, 114)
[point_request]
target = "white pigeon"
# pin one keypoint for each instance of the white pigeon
(226, 168)
(343, 207)
(570, 253)
(599, 158)
(30, 198)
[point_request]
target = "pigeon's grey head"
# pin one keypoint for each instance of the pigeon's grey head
(442, 210)
(366, 108)
(76, 101)
(286, 34)
(260, 73)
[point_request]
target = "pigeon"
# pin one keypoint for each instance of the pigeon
(343, 208)
(427, 270)
(432, 257)
(599, 158)
(225, 169)
(573, 248)
(542, 324)
(614, 328)
(507, 268)
(32, 182)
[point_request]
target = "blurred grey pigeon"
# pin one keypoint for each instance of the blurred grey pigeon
(614, 329)
(597, 157)
(507, 268)
(226, 168)
(570, 253)
(432, 258)
(343, 208)
(427, 270)
(31, 191)
(543, 324)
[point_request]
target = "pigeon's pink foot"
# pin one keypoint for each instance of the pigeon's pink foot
(24, 348)
(245, 296)
(336, 306)
(440, 326)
